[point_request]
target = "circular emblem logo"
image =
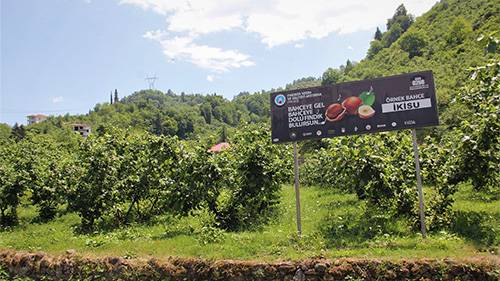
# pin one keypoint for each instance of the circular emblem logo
(279, 100)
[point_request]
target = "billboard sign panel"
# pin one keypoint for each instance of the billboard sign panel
(368, 106)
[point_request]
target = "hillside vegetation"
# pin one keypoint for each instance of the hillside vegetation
(443, 40)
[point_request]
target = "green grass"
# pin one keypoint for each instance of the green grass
(278, 240)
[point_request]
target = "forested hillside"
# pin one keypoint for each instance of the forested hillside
(444, 40)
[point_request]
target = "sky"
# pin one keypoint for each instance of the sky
(65, 56)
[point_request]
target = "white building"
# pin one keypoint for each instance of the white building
(82, 129)
(36, 118)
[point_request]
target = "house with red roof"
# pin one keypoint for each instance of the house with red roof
(36, 118)
(219, 147)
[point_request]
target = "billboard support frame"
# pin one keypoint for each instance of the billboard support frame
(297, 188)
(398, 102)
(419, 183)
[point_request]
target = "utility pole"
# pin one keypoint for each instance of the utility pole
(151, 81)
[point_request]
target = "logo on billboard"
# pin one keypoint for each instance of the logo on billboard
(280, 100)
(418, 83)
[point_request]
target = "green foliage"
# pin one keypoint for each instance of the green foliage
(53, 168)
(480, 227)
(259, 168)
(378, 35)
(303, 83)
(146, 175)
(375, 47)
(460, 31)
(413, 42)
(5, 132)
(360, 226)
(119, 177)
(96, 192)
(332, 76)
(379, 169)
(11, 184)
(392, 35)
(489, 43)
(400, 18)
(18, 132)
(478, 156)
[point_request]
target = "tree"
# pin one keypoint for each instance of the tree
(413, 42)
(223, 136)
(375, 47)
(378, 34)
(18, 133)
(331, 76)
(348, 66)
(11, 179)
(5, 131)
(116, 96)
(156, 126)
(392, 35)
(110, 99)
(401, 18)
(460, 29)
(477, 155)
(96, 192)
(169, 127)
(206, 112)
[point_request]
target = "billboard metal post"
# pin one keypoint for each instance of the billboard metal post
(297, 191)
(419, 183)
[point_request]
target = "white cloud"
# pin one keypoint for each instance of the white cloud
(275, 22)
(211, 58)
(210, 78)
(349, 47)
(299, 45)
(57, 99)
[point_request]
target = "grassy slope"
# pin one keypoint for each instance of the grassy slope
(276, 241)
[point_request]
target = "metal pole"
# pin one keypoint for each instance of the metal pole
(297, 191)
(419, 183)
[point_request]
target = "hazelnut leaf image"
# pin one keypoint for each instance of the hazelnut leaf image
(368, 97)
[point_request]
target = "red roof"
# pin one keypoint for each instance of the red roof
(38, 116)
(219, 147)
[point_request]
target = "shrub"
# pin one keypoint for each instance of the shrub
(460, 29)
(477, 156)
(413, 42)
(11, 183)
(480, 227)
(378, 168)
(96, 192)
(259, 169)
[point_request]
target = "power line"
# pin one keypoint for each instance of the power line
(151, 81)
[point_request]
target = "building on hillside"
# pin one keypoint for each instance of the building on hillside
(82, 129)
(219, 147)
(36, 118)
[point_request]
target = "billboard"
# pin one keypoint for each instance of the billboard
(368, 106)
